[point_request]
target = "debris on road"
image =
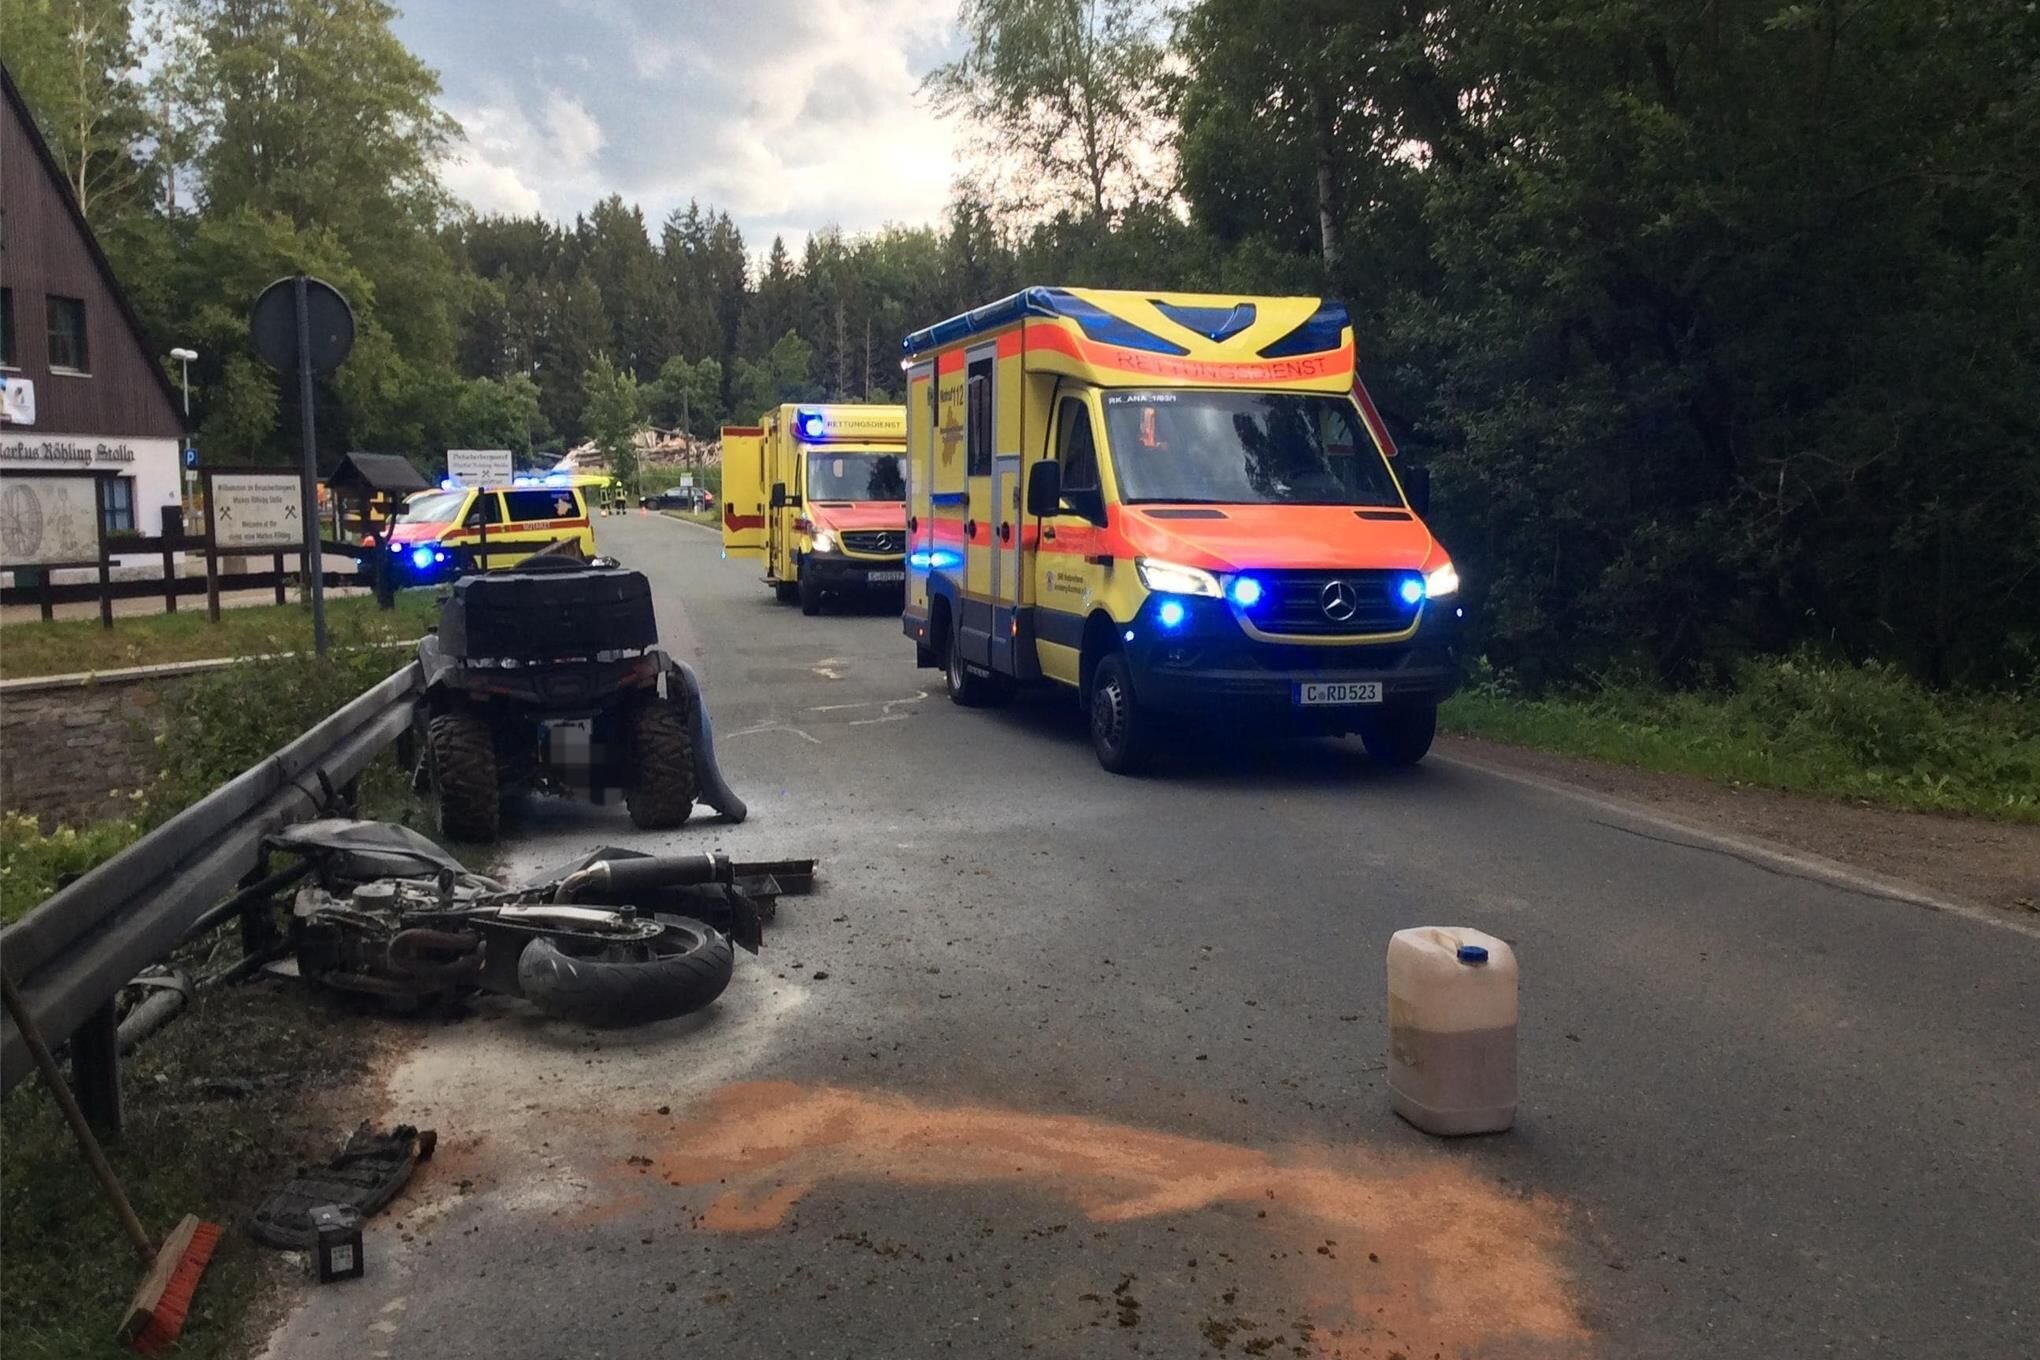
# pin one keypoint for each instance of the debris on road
(362, 1177)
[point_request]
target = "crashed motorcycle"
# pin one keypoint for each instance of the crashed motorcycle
(618, 938)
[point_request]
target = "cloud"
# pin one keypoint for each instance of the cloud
(790, 114)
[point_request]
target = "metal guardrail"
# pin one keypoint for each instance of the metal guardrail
(72, 954)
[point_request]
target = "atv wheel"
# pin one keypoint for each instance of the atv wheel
(463, 761)
(786, 592)
(574, 978)
(810, 593)
(516, 761)
(661, 794)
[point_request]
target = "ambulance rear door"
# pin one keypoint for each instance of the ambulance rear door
(743, 491)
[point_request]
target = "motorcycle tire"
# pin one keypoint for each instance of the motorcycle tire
(679, 972)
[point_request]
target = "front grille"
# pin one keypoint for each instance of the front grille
(875, 541)
(1296, 603)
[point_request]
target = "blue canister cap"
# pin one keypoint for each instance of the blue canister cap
(1472, 953)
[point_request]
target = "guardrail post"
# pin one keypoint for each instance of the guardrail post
(95, 1069)
(258, 925)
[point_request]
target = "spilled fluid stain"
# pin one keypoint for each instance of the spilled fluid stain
(1442, 1261)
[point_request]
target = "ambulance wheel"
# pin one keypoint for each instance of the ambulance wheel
(462, 757)
(1400, 736)
(661, 793)
(964, 687)
(1122, 732)
(810, 594)
(786, 592)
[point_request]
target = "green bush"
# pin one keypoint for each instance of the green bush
(33, 865)
(1799, 722)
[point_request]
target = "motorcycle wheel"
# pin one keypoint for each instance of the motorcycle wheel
(681, 970)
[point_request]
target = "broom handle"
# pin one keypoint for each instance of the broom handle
(83, 1131)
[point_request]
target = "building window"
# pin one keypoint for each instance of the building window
(6, 328)
(120, 505)
(67, 335)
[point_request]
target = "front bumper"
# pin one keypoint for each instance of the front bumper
(1208, 662)
(835, 571)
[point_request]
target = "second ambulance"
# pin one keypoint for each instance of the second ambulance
(1176, 505)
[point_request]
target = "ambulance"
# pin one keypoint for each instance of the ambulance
(512, 522)
(818, 493)
(1178, 506)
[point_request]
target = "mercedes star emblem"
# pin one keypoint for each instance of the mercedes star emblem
(1338, 601)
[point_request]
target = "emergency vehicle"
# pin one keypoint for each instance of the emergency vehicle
(1173, 504)
(818, 493)
(514, 521)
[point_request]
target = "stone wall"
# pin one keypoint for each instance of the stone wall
(76, 753)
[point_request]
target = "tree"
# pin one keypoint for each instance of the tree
(1069, 85)
(688, 396)
(782, 375)
(75, 61)
(614, 417)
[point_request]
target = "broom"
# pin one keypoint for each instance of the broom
(155, 1315)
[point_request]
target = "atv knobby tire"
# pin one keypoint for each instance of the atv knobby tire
(679, 972)
(462, 753)
(661, 793)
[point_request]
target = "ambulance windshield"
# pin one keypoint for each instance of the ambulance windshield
(1244, 448)
(436, 508)
(857, 477)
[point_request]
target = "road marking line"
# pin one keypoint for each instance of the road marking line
(884, 705)
(1752, 851)
(771, 727)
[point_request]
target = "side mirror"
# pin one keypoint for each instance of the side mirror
(1044, 489)
(778, 495)
(1416, 484)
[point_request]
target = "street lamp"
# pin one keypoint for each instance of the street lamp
(185, 358)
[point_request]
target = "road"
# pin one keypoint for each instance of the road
(1059, 1063)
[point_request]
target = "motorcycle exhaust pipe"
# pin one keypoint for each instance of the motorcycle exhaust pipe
(626, 876)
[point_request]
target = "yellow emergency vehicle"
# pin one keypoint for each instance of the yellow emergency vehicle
(818, 493)
(513, 522)
(1174, 504)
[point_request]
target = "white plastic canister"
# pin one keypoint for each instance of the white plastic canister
(1452, 1029)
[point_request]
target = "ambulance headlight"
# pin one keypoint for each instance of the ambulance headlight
(1442, 582)
(1168, 578)
(825, 542)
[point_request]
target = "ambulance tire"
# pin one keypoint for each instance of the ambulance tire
(1400, 736)
(462, 755)
(1122, 732)
(661, 793)
(963, 687)
(810, 594)
(786, 592)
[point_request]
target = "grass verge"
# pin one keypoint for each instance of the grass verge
(219, 1106)
(1799, 724)
(63, 646)
(711, 518)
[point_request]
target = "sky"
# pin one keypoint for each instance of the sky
(789, 114)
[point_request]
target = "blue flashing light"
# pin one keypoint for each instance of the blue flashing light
(1245, 591)
(557, 478)
(1127, 635)
(933, 559)
(809, 424)
(1171, 614)
(1411, 590)
(449, 484)
(421, 556)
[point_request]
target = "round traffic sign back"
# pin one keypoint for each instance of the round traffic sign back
(273, 324)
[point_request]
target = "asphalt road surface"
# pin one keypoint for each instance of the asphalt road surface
(1063, 1064)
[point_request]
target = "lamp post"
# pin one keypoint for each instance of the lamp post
(185, 358)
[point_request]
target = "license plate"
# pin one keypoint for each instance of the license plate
(1330, 693)
(885, 577)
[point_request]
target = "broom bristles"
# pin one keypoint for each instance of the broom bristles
(166, 1319)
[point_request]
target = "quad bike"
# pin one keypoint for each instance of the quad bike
(548, 676)
(617, 938)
